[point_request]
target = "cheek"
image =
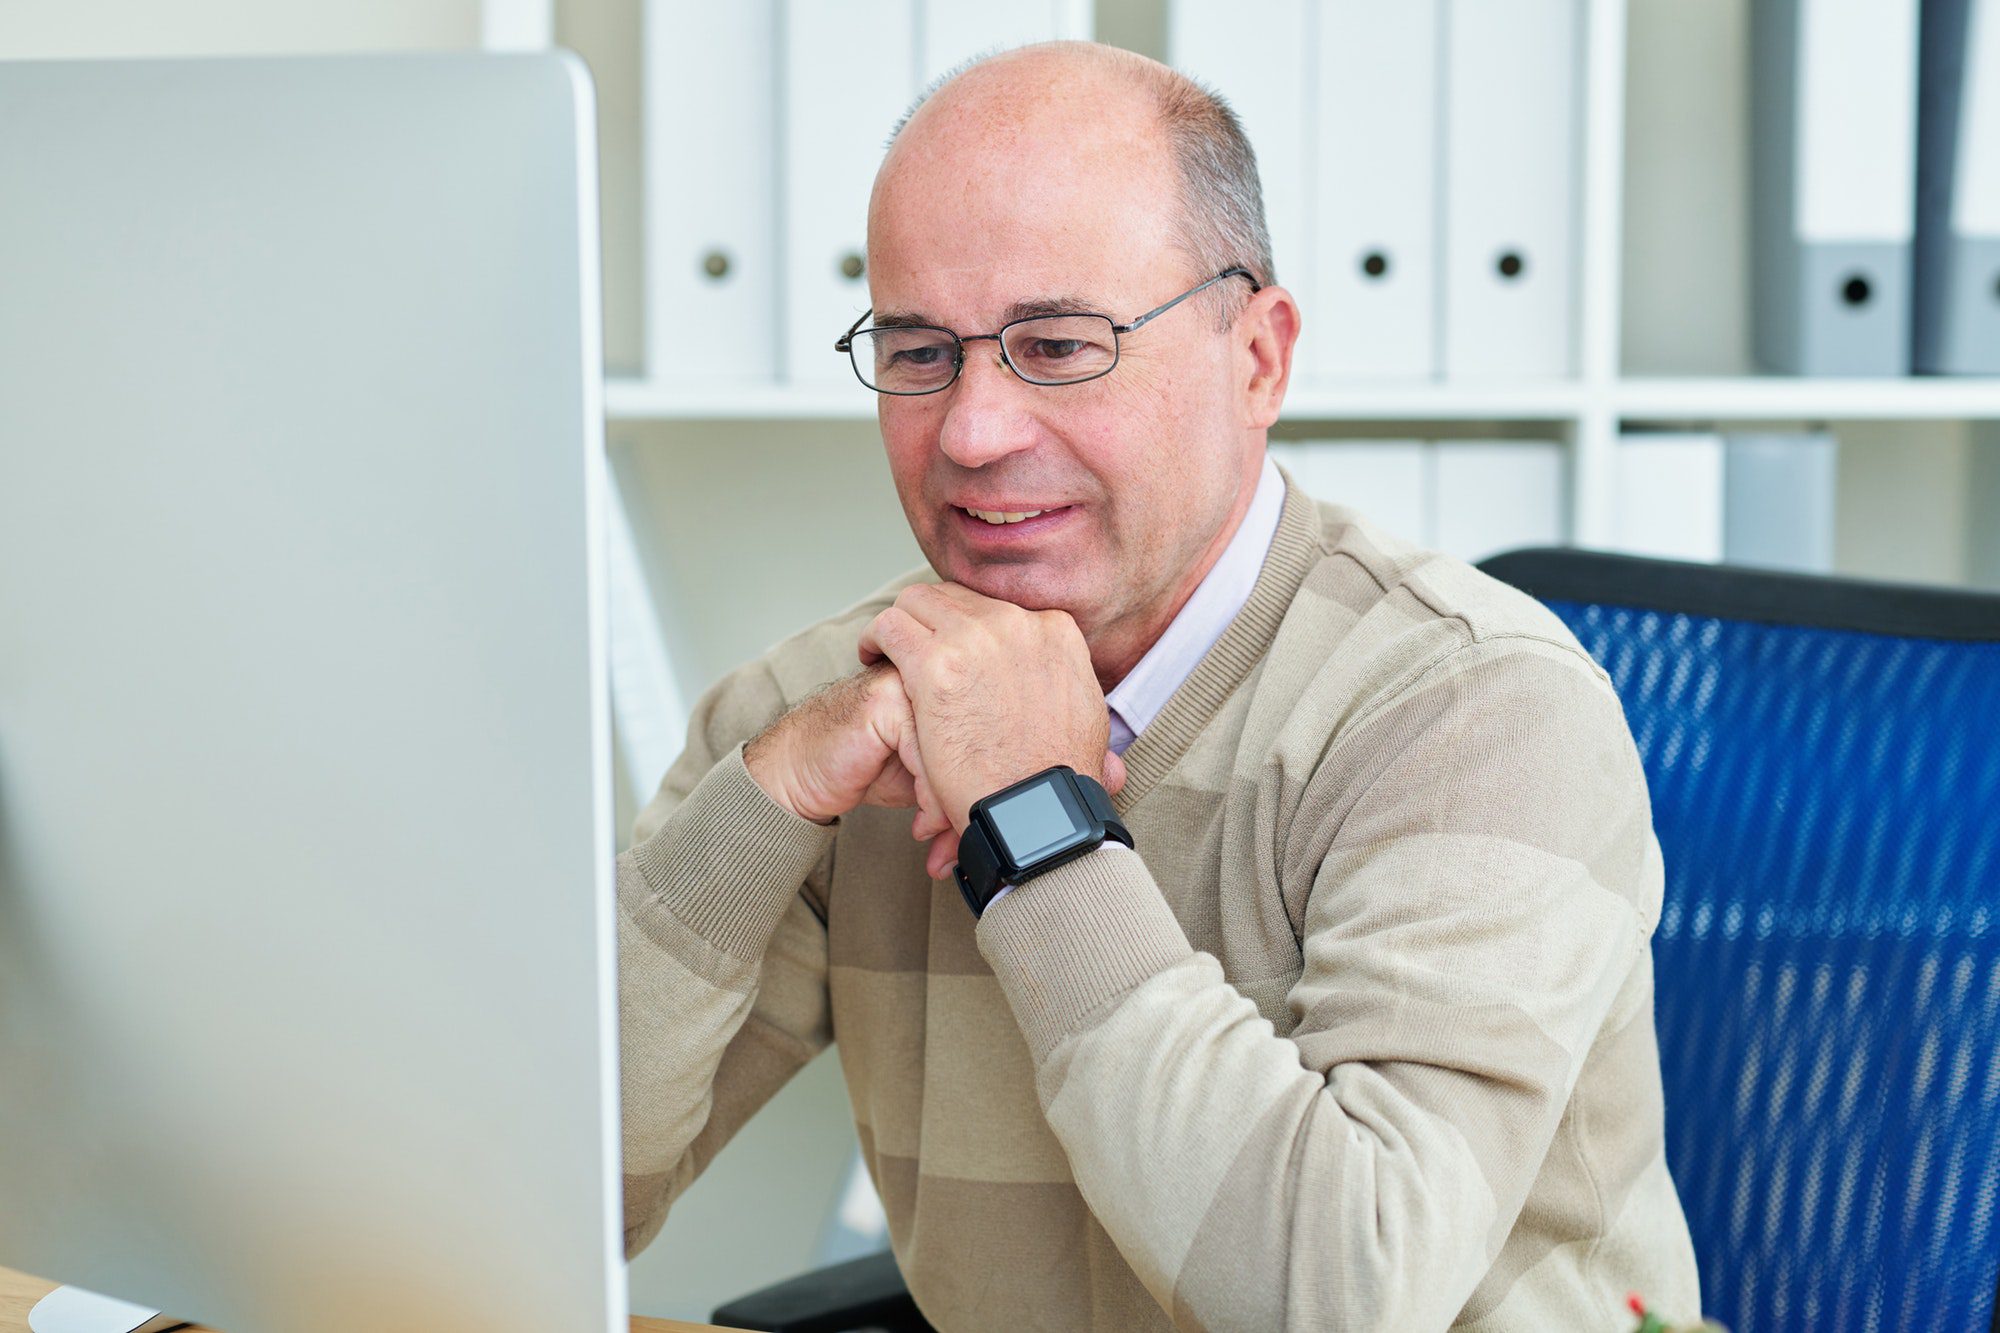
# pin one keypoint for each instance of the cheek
(908, 442)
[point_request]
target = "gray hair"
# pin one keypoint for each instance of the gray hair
(1221, 223)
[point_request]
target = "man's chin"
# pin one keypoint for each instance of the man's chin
(1032, 585)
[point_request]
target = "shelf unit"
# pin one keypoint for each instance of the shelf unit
(1623, 171)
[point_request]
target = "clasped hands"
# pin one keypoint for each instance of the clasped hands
(959, 695)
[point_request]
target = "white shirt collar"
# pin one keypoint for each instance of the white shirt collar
(1136, 700)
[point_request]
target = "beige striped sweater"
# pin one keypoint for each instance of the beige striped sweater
(1360, 1037)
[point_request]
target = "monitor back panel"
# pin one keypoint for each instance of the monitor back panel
(306, 1002)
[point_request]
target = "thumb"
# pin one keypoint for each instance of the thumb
(1114, 772)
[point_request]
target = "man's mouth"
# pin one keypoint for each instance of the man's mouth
(996, 517)
(1008, 525)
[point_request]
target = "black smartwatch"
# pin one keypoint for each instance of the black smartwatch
(1035, 825)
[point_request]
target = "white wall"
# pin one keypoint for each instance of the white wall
(85, 28)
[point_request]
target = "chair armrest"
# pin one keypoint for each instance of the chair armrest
(866, 1293)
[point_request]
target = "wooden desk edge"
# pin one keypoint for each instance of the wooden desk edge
(19, 1292)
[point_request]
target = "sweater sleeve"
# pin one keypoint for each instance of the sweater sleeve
(721, 956)
(1478, 895)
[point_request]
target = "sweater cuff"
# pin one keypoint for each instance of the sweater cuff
(729, 860)
(1077, 937)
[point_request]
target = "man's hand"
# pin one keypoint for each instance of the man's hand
(850, 743)
(998, 693)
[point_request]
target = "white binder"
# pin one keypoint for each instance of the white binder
(1956, 305)
(1668, 495)
(1372, 308)
(1496, 495)
(849, 73)
(952, 31)
(1778, 503)
(1511, 129)
(517, 25)
(1256, 53)
(1833, 177)
(1385, 479)
(711, 191)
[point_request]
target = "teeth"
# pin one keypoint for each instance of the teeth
(997, 517)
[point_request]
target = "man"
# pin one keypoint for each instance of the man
(1359, 1034)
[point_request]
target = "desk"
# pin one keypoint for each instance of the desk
(19, 1292)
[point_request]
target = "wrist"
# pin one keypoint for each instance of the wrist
(766, 760)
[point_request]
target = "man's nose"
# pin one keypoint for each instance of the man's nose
(988, 418)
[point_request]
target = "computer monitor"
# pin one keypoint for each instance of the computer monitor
(307, 1002)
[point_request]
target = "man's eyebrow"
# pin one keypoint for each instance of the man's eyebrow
(1046, 305)
(1054, 305)
(897, 319)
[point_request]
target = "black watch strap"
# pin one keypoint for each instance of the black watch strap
(978, 868)
(1099, 801)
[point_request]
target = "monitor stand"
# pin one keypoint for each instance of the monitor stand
(74, 1310)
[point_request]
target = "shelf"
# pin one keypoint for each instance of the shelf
(1528, 401)
(1642, 398)
(1791, 398)
(641, 400)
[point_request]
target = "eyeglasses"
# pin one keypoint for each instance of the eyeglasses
(909, 359)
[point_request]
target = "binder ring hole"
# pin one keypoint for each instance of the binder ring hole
(716, 263)
(852, 266)
(1375, 263)
(1510, 264)
(1856, 291)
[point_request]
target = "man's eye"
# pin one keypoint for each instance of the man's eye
(919, 356)
(1055, 349)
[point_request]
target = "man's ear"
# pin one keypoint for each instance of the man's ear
(1267, 330)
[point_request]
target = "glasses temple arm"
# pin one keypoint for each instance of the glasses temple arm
(1255, 287)
(846, 340)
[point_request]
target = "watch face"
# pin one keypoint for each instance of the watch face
(1037, 822)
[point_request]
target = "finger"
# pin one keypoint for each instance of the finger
(1114, 772)
(930, 818)
(943, 855)
(893, 787)
(927, 824)
(930, 605)
(894, 634)
(965, 598)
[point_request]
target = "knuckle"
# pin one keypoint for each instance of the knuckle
(948, 669)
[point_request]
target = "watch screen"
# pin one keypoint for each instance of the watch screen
(1032, 822)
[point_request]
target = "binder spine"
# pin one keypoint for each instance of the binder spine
(1955, 311)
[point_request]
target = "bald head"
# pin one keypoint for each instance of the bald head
(1071, 105)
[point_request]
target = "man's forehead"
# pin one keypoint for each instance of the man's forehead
(938, 265)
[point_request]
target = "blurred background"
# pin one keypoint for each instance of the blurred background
(1694, 278)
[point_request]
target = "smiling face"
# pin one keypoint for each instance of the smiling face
(1035, 183)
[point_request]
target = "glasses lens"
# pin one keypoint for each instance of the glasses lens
(905, 360)
(1060, 349)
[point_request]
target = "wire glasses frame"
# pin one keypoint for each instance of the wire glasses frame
(857, 337)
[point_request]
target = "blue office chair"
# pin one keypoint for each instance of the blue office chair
(1824, 761)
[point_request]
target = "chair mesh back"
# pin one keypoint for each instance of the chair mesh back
(1828, 960)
